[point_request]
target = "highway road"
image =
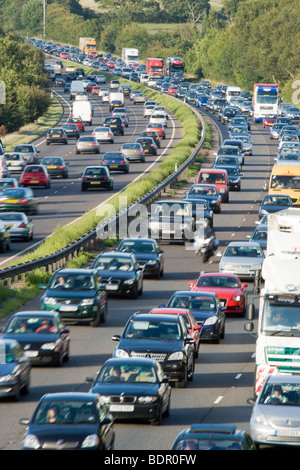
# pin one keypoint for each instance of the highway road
(224, 373)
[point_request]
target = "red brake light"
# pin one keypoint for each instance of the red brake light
(61, 167)
(23, 201)
(22, 225)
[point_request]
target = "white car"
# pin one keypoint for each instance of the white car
(100, 79)
(103, 134)
(148, 110)
(158, 118)
(242, 259)
(162, 109)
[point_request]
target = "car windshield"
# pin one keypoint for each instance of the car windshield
(153, 330)
(11, 216)
(203, 191)
(34, 169)
(228, 151)
(23, 149)
(208, 444)
(260, 235)
(127, 373)
(276, 201)
(66, 412)
(70, 281)
(287, 394)
(131, 146)
(167, 209)
(12, 156)
(31, 324)
(52, 161)
(15, 193)
(137, 247)
(242, 250)
(114, 263)
(112, 155)
(217, 281)
(287, 182)
(212, 178)
(95, 172)
(87, 139)
(198, 302)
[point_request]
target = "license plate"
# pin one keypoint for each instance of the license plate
(121, 408)
(56, 135)
(52, 166)
(32, 353)
(68, 308)
(111, 287)
(113, 126)
(8, 226)
(113, 166)
(95, 182)
(287, 433)
(12, 201)
(33, 181)
(86, 145)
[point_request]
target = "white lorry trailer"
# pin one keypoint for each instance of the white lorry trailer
(76, 87)
(130, 57)
(278, 334)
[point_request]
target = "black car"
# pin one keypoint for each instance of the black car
(71, 130)
(56, 166)
(71, 76)
(234, 176)
(163, 338)
(69, 421)
(133, 388)
(56, 135)
(42, 336)
(207, 310)
(148, 144)
(201, 211)
(18, 200)
(115, 123)
(96, 177)
(208, 192)
(15, 369)
(77, 294)
(115, 161)
(120, 273)
(154, 136)
(147, 252)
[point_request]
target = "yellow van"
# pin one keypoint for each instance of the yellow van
(285, 179)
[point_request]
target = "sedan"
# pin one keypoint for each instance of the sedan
(96, 177)
(77, 294)
(148, 145)
(209, 193)
(15, 369)
(133, 151)
(230, 291)
(148, 253)
(190, 321)
(276, 412)
(87, 144)
(139, 98)
(206, 309)
(56, 135)
(69, 421)
(115, 161)
(158, 117)
(29, 153)
(133, 388)
(15, 161)
(103, 134)
(71, 130)
(42, 336)
(120, 273)
(274, 203)
(18, 199)
(242, 259)
(56, 166)
(19, 225)
(35, 175)
(212, 437)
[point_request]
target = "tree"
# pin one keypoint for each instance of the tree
(187, 10)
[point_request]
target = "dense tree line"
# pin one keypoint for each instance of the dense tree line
(27, 92)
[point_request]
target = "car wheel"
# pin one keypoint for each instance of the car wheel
(83, 188)
(104, 314)
(182, 383)
(95, 323)
(158, 420)
(217, 338)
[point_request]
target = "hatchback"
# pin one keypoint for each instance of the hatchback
(56, 166)
(56, 135)
(35, 175)
(103, 134)
(115, 161)
(96, 177)
(87, 144)
(15, 161)
(19, 225)
(133, 151)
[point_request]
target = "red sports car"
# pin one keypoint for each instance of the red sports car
(192, 326)
(231, 292)
(35, 175)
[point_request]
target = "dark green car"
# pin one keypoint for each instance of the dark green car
(77, 294)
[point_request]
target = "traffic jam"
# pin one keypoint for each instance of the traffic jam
(157, 350)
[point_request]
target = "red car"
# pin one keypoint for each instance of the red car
(64, 55)
(158, 127)
(231, 292)
(172, 89)
(269, 120)
(35, 175)
(192, 326)
(78, 122)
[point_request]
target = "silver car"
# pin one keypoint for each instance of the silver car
(87, 144)
(133, 151)
(15, 161)
(275, 418)
(103, 134)
(242, 259)
(29, 153)
(20, 226)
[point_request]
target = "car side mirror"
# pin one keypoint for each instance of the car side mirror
(116, 337)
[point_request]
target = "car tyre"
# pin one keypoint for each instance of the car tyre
(182, 383)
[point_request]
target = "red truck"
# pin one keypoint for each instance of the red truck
(154, 66)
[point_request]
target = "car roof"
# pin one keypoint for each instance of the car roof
(70, 395)
(36, 313)
(130, 360)
(169, 310)
(156, 316)
(283, 379)
(194, 293)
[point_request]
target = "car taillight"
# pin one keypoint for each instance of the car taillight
(84, 177)
(105, 177)
(138, 151)
(23, 201)
(22, 225)
(122, 161)
(61, 167)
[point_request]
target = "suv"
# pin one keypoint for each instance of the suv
(164, 338)
(217, 177)
(115, 123)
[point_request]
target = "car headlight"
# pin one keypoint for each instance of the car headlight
(121, 353)
(147, 399)
(151, 262)
(49, 346)
(87, 302)
(222, 190)
(104, 399)
(211, 320)
(176, 356)
(90, 441)
(49, 301)
(236, 298)
(31, 442)
(256, 266)
(215, 201)
(260, 419)
(129, 282)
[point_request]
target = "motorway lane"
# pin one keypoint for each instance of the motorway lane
(224, 373)
(64, 202)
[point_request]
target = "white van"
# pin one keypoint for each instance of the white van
(232, 92)
(83, 110)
